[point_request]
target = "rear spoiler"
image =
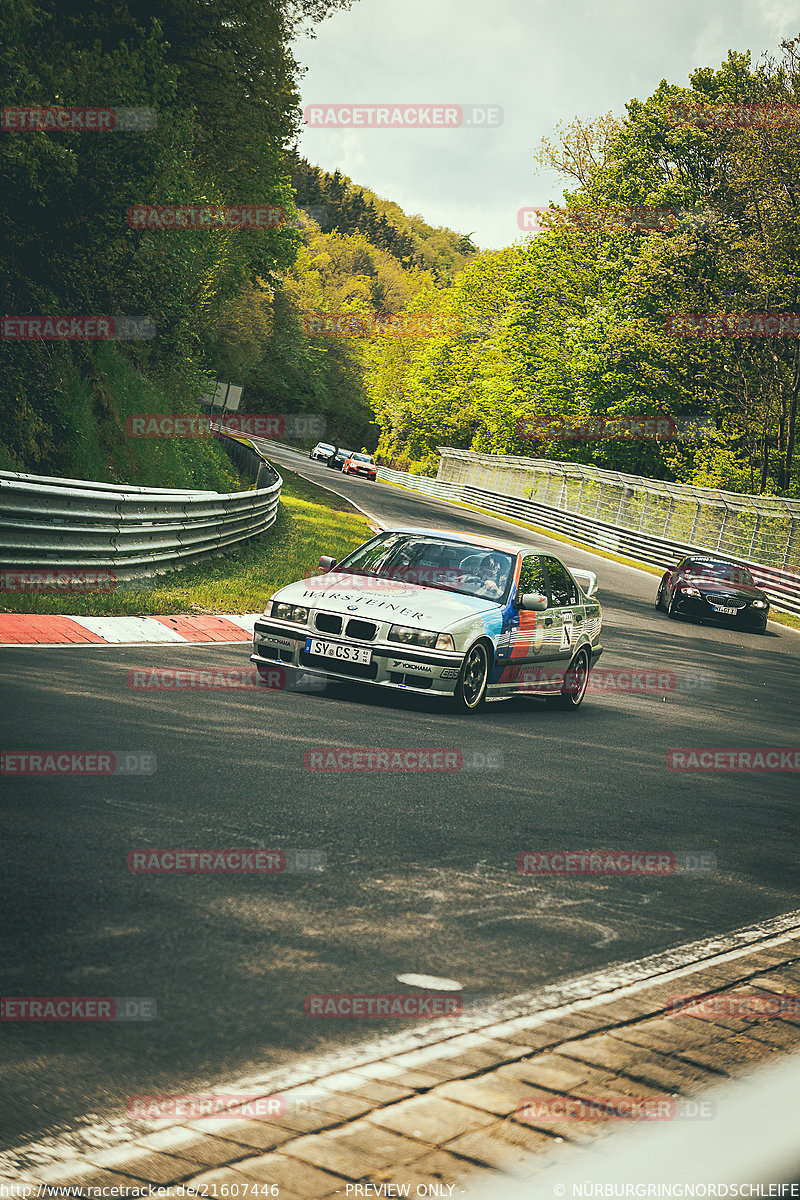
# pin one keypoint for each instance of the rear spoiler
(587, 581)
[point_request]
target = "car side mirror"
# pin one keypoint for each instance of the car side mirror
(326, 563)
(534, 601)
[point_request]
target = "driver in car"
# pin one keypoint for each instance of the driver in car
(494, 577)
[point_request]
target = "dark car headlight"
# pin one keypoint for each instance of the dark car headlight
(420, 637)
(288, 612)
(759, 603)
(689, 591)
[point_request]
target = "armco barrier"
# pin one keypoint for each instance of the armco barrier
(781, 583)
(761, 529)
(133, 531)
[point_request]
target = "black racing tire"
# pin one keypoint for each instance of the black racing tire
(576, 681)
(470, 691)
(672, 607)
(660, 596)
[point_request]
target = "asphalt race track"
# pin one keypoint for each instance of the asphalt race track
(421, 868)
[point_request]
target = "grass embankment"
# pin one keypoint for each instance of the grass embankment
(310, 522)
(87, 435)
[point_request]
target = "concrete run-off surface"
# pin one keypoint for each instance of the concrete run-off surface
(434, 1120)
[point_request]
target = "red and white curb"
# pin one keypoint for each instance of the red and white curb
(35, 629)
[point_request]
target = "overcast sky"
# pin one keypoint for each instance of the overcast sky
(542, 61)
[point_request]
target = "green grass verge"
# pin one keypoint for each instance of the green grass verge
(781, 618)
(310, 522)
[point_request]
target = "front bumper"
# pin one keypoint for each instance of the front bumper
(699, 608)
(393, 665)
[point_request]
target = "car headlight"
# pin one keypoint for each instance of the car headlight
(759, 604)
(689, 591)
(421, 637)
(289, 612)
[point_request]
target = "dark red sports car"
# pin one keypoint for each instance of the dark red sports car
(713, 589)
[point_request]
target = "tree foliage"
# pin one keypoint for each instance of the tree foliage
(580, 310)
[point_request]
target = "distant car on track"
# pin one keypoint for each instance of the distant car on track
(360, 464)
(322, 450)
(713, 589)
(338, 459)
(446, 613)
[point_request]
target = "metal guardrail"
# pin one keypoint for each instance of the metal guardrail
(781, 585)
(132, 531)
(763, 529)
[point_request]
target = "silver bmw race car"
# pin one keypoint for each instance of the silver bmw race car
(446, 613)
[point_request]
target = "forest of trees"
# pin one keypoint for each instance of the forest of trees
(222, 84)
(571, 322)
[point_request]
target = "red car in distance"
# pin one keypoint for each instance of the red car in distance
(360, 464)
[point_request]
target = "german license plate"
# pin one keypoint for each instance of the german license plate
(723, 608)
(340, 650)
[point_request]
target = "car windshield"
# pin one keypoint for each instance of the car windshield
(361, 458)
(344, 453)
(324, 446)
(722, 571)
(436, 563)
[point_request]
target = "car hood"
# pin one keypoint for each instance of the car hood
(383, 599)
(738, 591)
